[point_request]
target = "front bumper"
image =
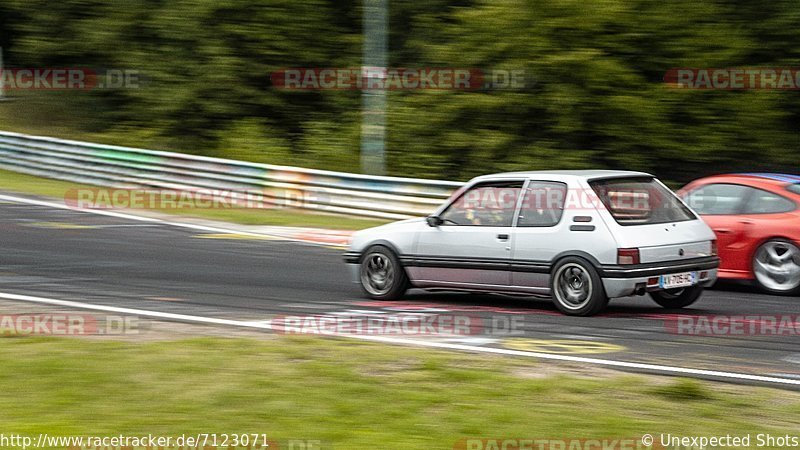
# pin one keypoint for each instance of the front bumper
(623, 281)
(353, 269)
(352, 259)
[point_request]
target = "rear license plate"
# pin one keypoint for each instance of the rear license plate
(677, 280)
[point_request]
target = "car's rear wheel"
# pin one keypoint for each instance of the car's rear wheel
(677, 298)
(776, 266)
(577, 289)
(381, 275)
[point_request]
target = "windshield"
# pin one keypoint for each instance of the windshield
(640, 201)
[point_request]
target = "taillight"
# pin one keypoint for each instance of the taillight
(713, 247)
(627, 256)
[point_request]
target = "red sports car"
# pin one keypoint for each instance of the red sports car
(756, 217)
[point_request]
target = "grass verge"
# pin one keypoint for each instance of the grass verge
(23, 183)
(352, 394)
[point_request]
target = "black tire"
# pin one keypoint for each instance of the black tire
(576, 288)
(392, 284)
(677, 298)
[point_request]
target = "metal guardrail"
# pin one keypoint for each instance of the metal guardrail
(124, 167)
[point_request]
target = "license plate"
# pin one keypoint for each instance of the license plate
(677, 280)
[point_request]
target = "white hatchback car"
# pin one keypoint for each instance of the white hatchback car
(581, 237)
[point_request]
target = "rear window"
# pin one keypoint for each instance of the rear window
(763, 202)
(640, 201)
(794, 188)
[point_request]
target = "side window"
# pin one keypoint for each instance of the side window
(718, 199)
(490, 204)
(763, 202)
(542, 204)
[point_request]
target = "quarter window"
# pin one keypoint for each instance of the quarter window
(763, 202)
(490, 204)
(542, 204)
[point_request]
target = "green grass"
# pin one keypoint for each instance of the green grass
(17, 182)
(352, 394)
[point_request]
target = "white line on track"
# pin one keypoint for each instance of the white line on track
(657, 368)
(191, 226)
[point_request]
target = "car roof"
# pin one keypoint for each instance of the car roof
(782, 177)
(775, 179)
(563, 175)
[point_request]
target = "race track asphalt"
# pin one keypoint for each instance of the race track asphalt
(71, 255)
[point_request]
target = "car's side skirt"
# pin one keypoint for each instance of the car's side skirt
(448, 262)
(449, 285)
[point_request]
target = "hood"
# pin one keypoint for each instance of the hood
(389, 226)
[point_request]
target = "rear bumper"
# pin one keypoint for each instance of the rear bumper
(659, 268)
(623, 281)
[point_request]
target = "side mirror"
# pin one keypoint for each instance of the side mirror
(434, 221)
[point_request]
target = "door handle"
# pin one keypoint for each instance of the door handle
(723, 231)
(502, 237)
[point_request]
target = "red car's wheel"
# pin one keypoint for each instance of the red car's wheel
(776, 266)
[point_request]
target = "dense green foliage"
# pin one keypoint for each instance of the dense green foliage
(594, 94)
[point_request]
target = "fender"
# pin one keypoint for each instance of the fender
(355, 257)
(580, 254)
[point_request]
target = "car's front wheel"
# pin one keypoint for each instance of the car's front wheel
(576, 288)
(677, 298)
(381, 275)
